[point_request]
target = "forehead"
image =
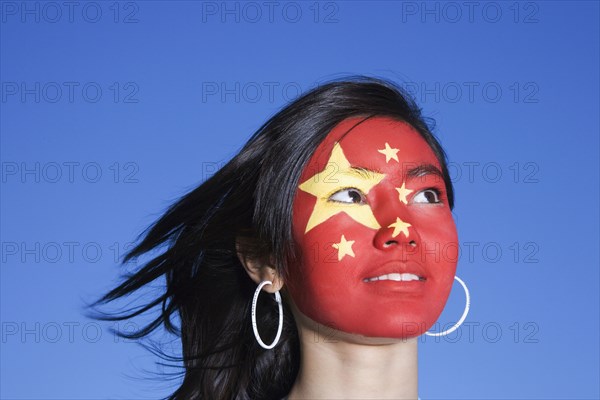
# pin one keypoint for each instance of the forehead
(380, 144)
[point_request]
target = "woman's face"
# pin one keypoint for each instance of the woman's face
(378, 242)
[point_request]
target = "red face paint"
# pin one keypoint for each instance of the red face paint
(371, 203)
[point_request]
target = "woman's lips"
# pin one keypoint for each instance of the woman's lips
(396, 271)
(395, 276)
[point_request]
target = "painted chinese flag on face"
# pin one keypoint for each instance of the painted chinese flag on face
(377, 238)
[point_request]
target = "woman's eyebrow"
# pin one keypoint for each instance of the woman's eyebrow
(423, 170)
(365, 173)
(412, 171)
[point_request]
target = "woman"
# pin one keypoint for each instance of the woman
(340, 205)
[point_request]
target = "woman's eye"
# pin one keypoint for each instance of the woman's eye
(427, 196)
(349, 196)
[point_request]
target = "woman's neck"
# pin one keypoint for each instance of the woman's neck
(336, 365)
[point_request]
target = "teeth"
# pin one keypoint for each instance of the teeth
(395, 277)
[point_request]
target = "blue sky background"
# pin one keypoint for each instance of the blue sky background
(112, 110)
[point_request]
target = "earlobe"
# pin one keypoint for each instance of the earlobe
(259, 270)
(251, 265)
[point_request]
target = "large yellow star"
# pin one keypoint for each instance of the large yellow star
(338, 175)
(403, 192)
(344, 248)
(399, 226)
(389, 152)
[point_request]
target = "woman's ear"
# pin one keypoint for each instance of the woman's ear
(259, 270)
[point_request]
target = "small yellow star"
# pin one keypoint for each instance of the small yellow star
(344, 248)
(389, 152)
(399, 226)
(403, 192)
(337, 175)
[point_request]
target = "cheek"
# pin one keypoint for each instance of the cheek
(438, 244)
(437, 230)
(322, 262)
(303, 283)
(446, 241)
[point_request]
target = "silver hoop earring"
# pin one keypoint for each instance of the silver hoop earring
(255, 328)
(462, 318)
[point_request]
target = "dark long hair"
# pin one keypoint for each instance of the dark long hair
(248, 201)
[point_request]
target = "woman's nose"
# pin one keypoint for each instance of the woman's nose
(398, 234)
(397, 228)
